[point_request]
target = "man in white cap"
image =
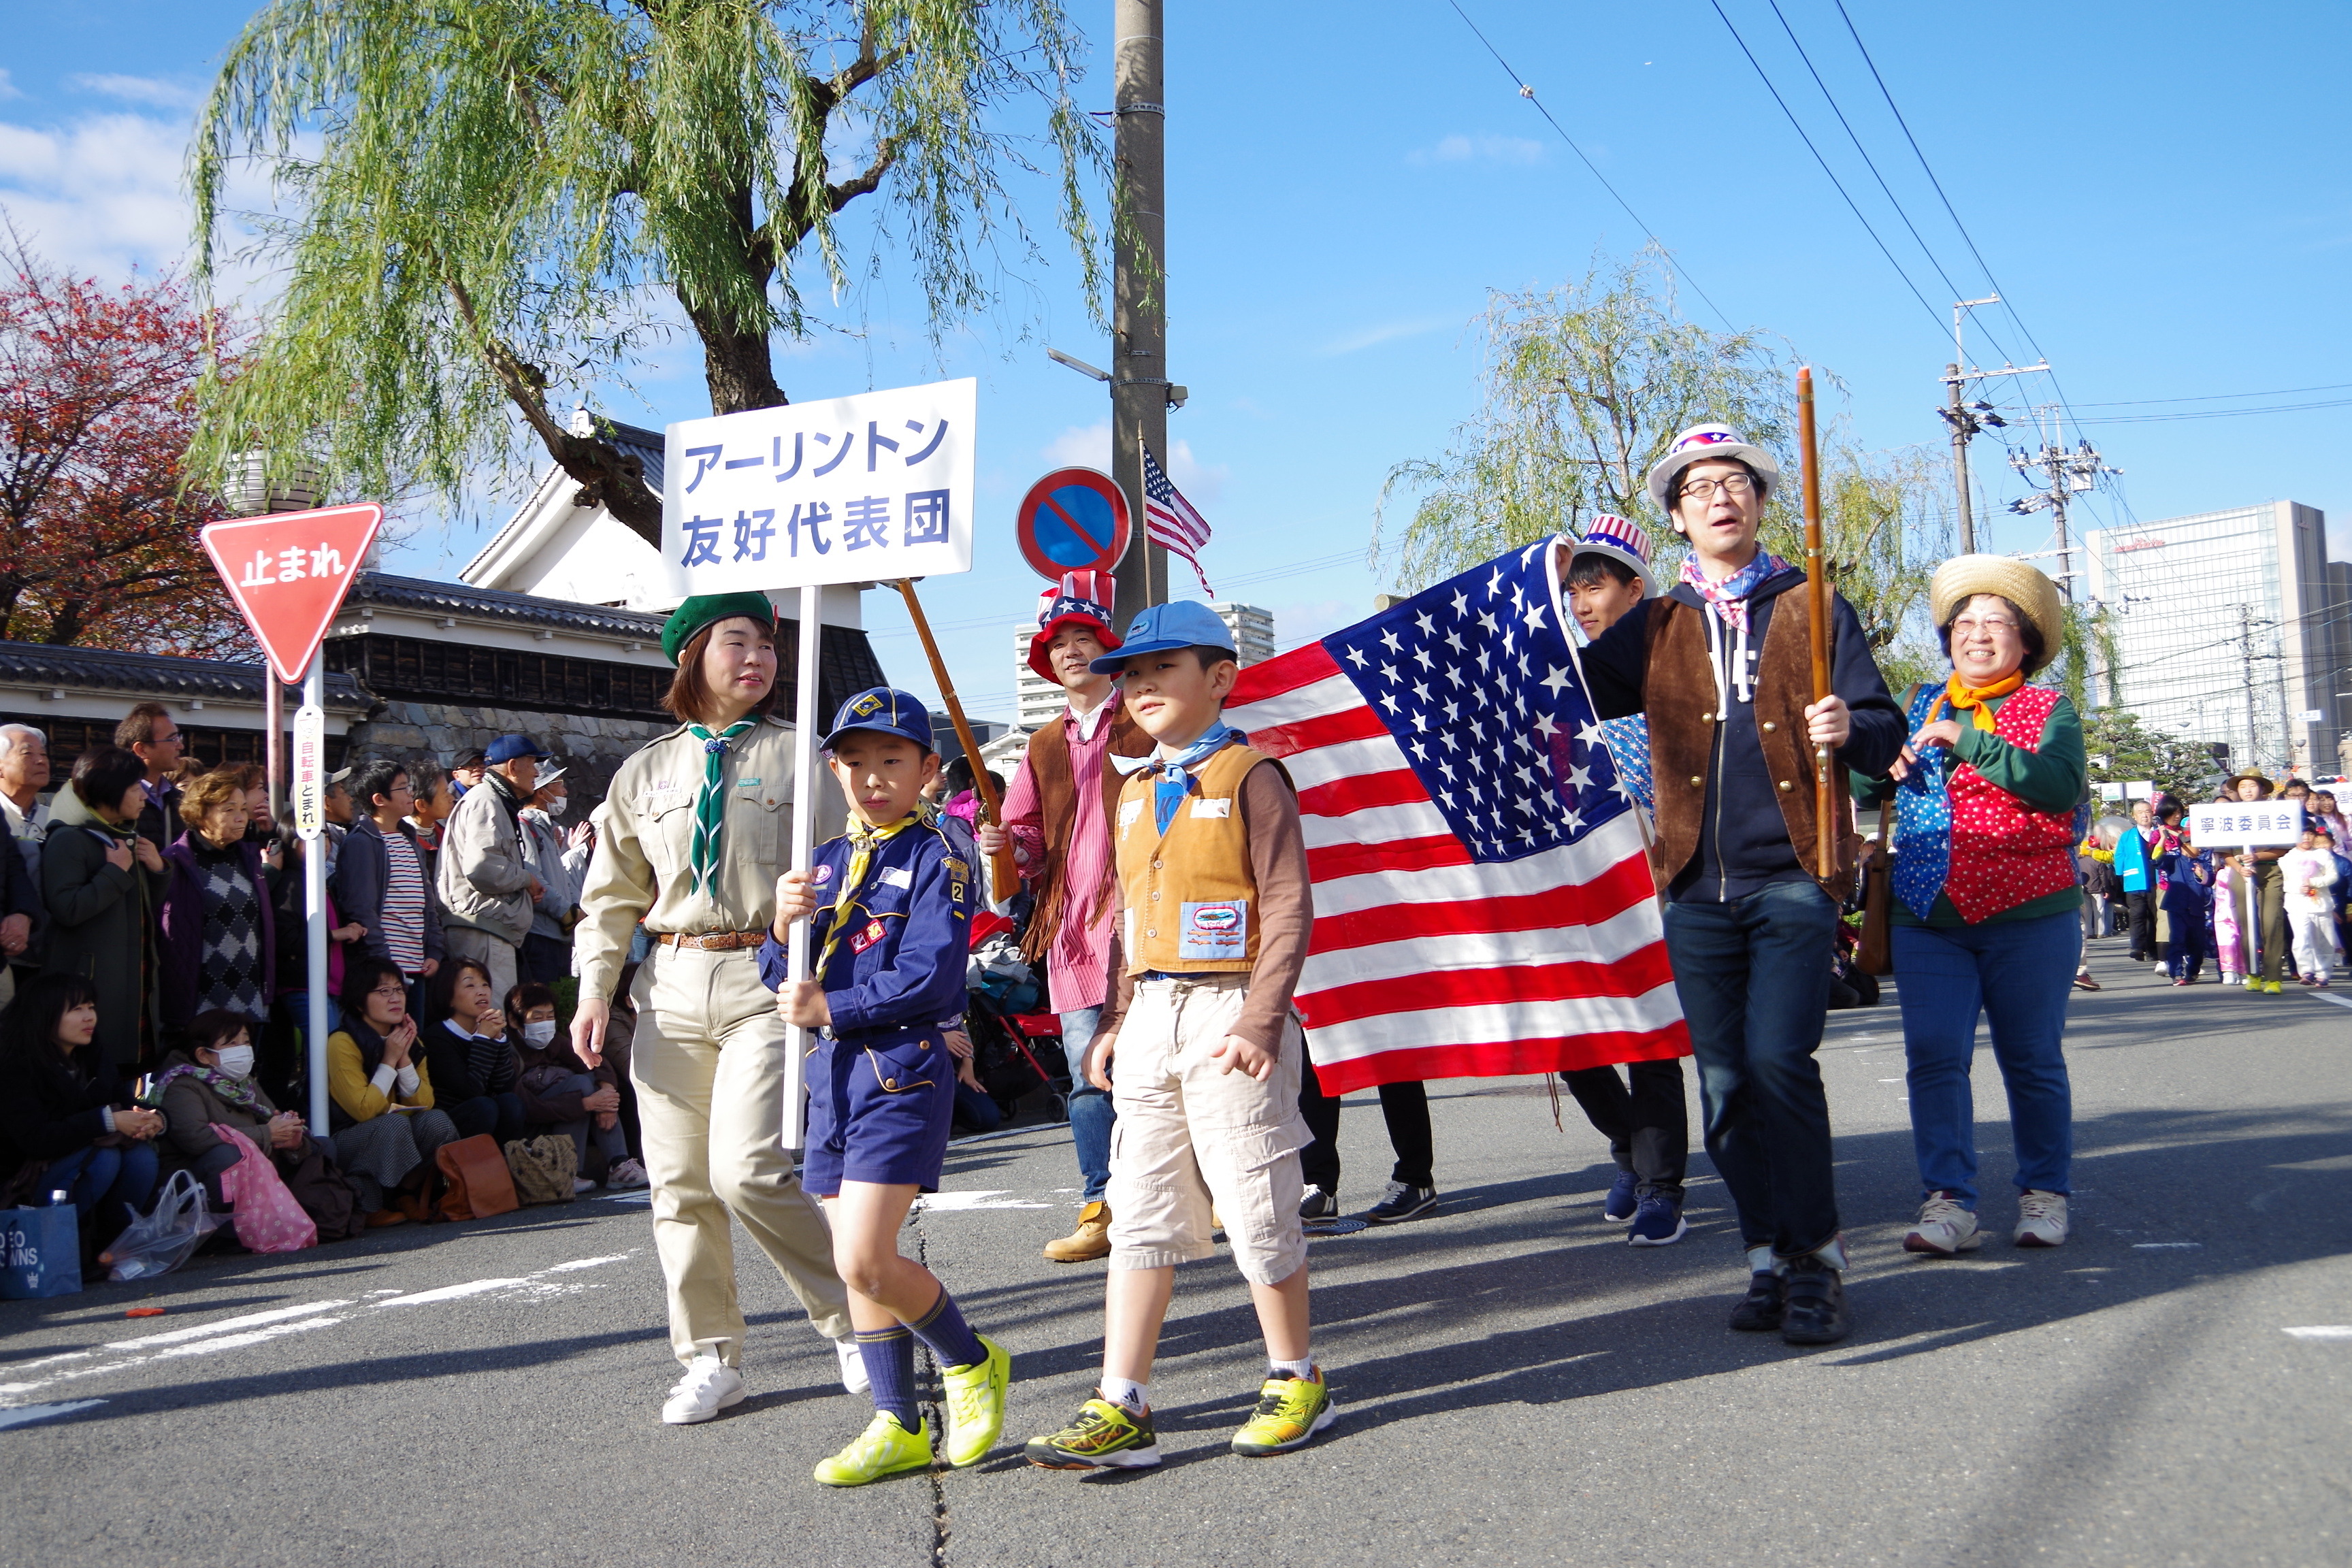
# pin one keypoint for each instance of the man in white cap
(1722, 669)
(1057, 820)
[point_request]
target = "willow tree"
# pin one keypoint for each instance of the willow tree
(1586, 385)
(481, 209)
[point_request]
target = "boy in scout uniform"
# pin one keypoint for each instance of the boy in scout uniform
(688, 840)
(1211, 872)
(892, 905)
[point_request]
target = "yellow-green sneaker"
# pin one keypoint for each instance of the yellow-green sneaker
(2273, 988)
(883, 1448)
(1105, 1436)
(976, 1404)
(1290, 1410)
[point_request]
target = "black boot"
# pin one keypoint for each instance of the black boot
(1761, 1310)
(1816, 1311)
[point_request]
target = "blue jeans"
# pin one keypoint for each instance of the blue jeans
(95, 1180)
(1091, 1114)
(2019, 975)
(1753, 975)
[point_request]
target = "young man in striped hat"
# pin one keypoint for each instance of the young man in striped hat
(1057, 821)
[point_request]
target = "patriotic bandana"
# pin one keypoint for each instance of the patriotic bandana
(861, 860)
(1174, 774)
(1729, 596)
(710, 804)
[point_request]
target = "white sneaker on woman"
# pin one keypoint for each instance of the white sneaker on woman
(853, 1366)
(2041, 1219)
(1946, 1227)
(709, 1386)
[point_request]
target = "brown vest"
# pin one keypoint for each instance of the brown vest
(1057, 804)
(1679, 697)
(1191, 894)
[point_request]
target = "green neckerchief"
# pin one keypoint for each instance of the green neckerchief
(710, 804)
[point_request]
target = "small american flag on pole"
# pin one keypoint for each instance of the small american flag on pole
(1483, 905)
(1171, 520)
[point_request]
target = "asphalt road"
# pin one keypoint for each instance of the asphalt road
(1516, 1385)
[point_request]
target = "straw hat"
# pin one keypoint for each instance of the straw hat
(1964, 576)
(2231, 783)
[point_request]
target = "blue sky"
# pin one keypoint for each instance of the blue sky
(2159, 188)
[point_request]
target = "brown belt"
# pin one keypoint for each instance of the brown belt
(712, 942)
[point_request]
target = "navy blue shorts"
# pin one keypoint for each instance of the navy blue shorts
(879, 1111)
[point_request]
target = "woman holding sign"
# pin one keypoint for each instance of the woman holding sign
(2260, 894)
(689, 840)
(1988, 904)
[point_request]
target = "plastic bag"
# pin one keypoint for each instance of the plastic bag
(160, 1241)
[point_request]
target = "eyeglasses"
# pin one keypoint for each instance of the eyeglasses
(1730, 485)
(1992, 626)
(400, 991)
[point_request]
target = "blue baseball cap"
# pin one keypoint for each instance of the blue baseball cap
(506, 748)
(886, 710)
(1187, 623)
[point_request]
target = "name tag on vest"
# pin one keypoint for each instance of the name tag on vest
(1215, 930)
(1128, 810)
(1221, 806)
(897, 877)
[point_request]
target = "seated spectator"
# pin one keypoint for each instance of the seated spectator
(219, 932)
(380, 1097)
(474, 1065)
(561, 1096)
(209, 1085)
(101, 880)
(62, 1102)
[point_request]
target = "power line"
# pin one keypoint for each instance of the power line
(1933, 314)
(2213, 413)
(2220, 397)
(1528, 93)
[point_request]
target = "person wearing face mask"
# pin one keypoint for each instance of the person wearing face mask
(561, 1094)
(208, 1084)
(559, 867)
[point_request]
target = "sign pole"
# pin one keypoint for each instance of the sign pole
(806, 729)
(314, 892)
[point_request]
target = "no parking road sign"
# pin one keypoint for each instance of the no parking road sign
(1073, 519)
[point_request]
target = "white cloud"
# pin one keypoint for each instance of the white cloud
(1460, 149)
(153, 91)
(1088, 446)
(1384, 333)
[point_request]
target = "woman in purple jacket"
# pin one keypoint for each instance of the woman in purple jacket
(219, 946)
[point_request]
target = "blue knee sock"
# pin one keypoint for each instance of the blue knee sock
(889, 1357)
(951, 1338)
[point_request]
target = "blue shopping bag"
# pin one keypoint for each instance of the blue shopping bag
(40, 1252)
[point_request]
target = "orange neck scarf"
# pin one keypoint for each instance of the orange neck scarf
(1978, 699)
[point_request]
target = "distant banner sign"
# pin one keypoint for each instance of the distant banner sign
(870, 488)
(2247, 825)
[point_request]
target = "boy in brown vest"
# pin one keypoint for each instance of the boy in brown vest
(1214, 913)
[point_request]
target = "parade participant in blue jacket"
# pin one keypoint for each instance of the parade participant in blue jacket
(2135, 853)
(891, 903)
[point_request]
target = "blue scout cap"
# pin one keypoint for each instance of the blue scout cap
(1187, 623)
(506, 748)
(886, 712)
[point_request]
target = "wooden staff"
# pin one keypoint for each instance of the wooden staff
(1817, 594)
(1005, 875)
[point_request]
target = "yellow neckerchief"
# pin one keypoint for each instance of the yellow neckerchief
(1961, 694)
(861, 860)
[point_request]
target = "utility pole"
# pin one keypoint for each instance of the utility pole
(1966, 419)
(2068, 474)
(1139, 388)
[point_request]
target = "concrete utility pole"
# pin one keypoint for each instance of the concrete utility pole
(1967, 419)
(2068, 474)
(1138, 384)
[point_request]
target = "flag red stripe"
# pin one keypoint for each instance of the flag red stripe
(1341, 796)
(1333, 861)
(1504, 1058)
(1611, 893)
(1641, 971)
(1302, 666)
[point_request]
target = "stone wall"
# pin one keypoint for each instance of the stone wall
(589, 750)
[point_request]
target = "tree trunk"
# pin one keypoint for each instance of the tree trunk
(738, 366)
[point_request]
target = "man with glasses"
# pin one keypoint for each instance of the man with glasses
(1724, 673)
(148, 733)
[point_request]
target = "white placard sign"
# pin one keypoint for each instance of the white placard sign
(2246, 825)
(870, 488)
(309, 792)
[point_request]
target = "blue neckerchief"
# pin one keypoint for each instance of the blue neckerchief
(1173, 778)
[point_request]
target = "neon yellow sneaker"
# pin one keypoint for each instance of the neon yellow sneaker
(1105, 1436)
(2273, 988)
(883, 1448)
(1290, 1410)
(976, 1404)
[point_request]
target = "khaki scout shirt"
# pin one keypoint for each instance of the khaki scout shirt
(645, 846)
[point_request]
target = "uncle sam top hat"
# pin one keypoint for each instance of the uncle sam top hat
(1621, 541)
(1079, 599)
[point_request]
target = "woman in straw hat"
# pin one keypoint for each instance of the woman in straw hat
(1988, 798)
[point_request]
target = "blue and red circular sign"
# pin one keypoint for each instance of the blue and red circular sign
(1073, 519)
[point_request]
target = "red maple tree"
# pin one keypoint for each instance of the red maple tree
(98, 531)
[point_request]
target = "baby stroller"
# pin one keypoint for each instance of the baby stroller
(1016, 1044)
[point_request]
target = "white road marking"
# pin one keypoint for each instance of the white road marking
(23, 1415)
(991, 1198)
(450, 1292)
(587, 1263)
(50, 1360)
(240, 1341)
(2331, 997)
(224, 1325)
(2322, 1332)
(2163, 1245)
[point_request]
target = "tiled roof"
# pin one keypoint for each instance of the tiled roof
(429, 598)
(159, 675)
(649, 447)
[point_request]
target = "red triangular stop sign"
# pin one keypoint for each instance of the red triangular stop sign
(288, 573)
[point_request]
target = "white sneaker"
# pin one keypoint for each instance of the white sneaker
(1945, 1227)
(582, 1185)
(853, 1366)
(626, 1175)
(2041, 1219)
(709, 1386)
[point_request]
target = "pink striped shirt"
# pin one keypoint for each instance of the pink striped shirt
(1078, 966)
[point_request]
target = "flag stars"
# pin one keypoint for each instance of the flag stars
(1555, 683)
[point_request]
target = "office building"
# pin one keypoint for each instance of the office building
(1038, 699)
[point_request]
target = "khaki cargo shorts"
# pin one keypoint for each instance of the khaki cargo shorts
(1189, 1134)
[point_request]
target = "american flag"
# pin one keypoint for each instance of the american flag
(1171, 520)
(1483, 905)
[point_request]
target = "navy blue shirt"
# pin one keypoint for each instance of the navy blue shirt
(899, 964)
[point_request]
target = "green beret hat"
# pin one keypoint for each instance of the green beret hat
(704, 609)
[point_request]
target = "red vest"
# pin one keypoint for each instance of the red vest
(2003, 853)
